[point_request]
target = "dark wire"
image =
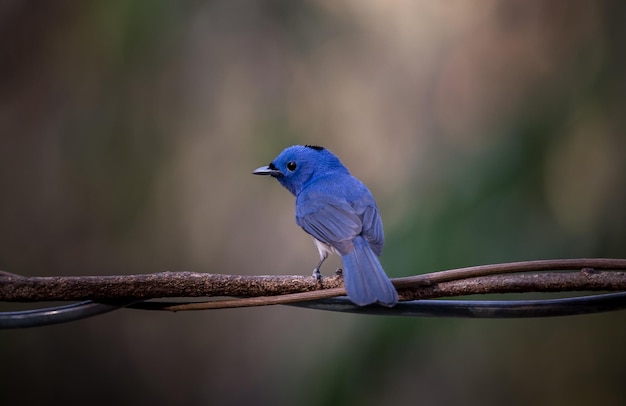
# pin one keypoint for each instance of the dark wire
(490, 309)
(484, 309)
(56, 315)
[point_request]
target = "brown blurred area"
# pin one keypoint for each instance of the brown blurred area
(489, 131)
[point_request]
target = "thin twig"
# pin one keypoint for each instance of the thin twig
(513, 267)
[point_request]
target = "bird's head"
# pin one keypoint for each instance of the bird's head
(297, 165)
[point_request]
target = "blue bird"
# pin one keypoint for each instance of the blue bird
(340, 213)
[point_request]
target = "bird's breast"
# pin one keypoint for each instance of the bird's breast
(323, 248)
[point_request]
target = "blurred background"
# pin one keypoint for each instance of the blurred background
(488, 131)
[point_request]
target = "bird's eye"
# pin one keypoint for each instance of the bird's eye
(291, 166)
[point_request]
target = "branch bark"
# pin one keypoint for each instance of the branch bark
(547, 276)
(157, 285)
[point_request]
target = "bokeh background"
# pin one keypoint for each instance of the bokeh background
(489, 131)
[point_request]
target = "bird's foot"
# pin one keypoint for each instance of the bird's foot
(317, 275)
(339, 272)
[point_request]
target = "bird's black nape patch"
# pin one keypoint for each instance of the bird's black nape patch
(315, 147)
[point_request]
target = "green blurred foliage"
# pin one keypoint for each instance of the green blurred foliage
(488, 133)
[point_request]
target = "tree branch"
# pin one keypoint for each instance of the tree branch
(591, 275)
(108, 293)
(162, 284)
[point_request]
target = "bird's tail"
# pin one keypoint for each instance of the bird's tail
(364, 277)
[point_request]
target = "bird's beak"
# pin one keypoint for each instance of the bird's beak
(266, 170)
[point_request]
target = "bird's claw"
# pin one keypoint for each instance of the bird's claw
(339, 272)
(317, 275)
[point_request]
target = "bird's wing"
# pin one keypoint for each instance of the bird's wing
(331, 221)
(338, 211)
(373, 228)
